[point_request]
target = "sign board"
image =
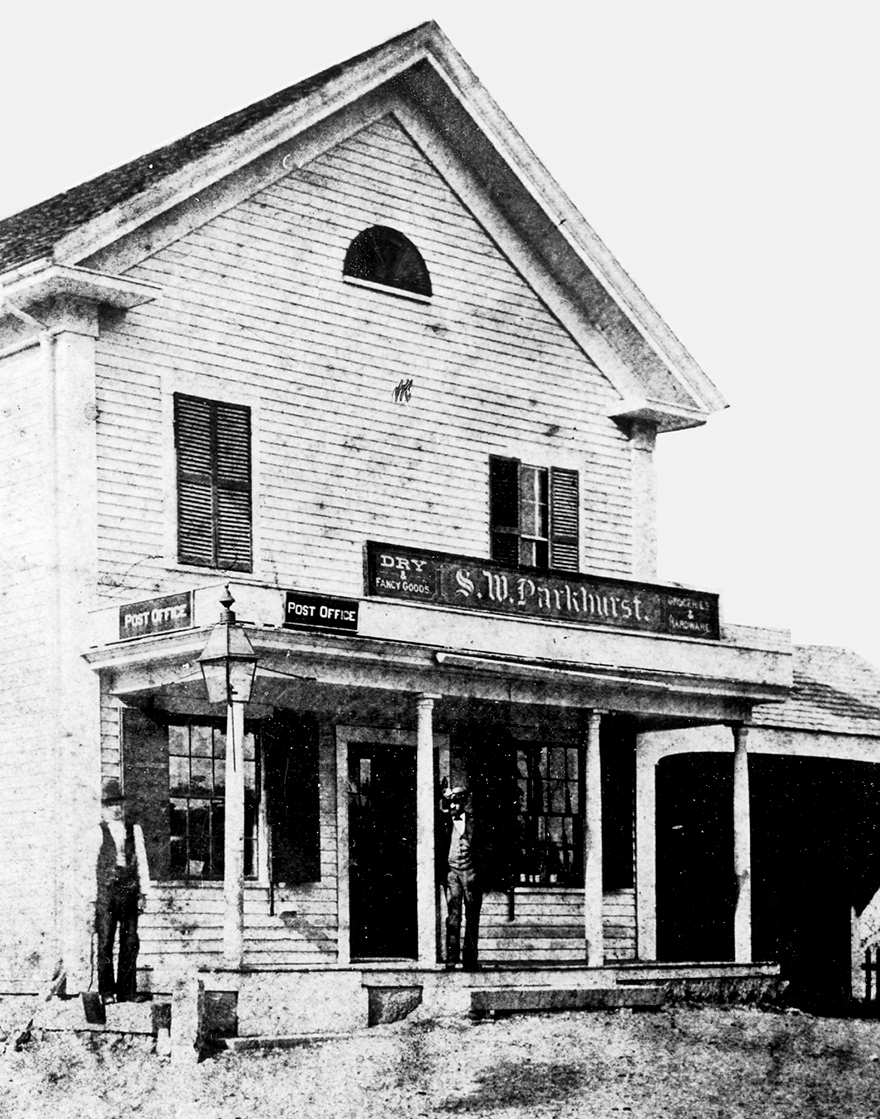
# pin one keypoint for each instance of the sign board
(156, 615)
(414, 575)
(317, 611)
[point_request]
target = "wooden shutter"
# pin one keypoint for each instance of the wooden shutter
(213, 442)
(145, 782)
(234, 542)
(564, 520)
(504, 509)
(290, 755)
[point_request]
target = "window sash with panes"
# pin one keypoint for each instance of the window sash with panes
(550, 817)
(534, 515)
(174, 779)
(197, 792)
(213, 443)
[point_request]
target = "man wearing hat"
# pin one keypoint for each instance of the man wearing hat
(123, 884)
(462, 882)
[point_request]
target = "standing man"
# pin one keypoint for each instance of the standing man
(123, 884)
(463, 881)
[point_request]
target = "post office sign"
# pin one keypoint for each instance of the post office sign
(156, 615)
(317, 611)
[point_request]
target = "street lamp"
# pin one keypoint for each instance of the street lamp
(229, 664)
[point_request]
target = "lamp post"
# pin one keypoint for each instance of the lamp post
(229, 664)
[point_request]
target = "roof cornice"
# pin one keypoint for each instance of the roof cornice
(53, 280)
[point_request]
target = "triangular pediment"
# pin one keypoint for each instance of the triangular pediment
(422, 82)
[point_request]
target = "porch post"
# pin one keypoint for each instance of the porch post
(742, 853)
(593, 935)
(426, 891)
(646, 851)
(233, 840)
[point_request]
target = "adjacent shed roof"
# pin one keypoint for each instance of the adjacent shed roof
(834, 690)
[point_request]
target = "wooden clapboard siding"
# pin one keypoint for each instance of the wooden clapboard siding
(549, 925)
(256, 297)
(619, 925)
(183, 927)
(111, 762)
(28, 785)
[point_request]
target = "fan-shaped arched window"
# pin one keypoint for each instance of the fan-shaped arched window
(384, 256)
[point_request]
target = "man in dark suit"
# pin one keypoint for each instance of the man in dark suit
(123, 884)
(463, 885)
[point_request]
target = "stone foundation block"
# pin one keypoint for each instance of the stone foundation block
(391, 1004)
(301, 1002)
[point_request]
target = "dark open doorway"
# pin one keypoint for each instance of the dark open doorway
(815, 842)
(382, 848)
(695, 883)
(815, 855)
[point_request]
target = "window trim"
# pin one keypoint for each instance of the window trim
(554, 539)
(400, 293)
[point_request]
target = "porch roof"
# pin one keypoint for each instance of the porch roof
(405, 649)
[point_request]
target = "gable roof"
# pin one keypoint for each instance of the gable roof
(833, 690)
(655, 375)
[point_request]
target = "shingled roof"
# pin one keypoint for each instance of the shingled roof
(834, 690)
(32, 233)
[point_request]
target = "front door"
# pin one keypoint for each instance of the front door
(382, 850)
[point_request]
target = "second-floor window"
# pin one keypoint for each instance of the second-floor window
(534, 514)
(213, 443)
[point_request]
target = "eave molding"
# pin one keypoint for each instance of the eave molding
(55, 280)
(276, 647)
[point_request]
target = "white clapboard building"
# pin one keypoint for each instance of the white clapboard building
(353, 354)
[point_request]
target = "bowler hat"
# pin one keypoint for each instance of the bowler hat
(112, 792)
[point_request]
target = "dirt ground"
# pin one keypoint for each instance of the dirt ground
(693, 1063)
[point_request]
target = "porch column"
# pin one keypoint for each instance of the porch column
(593, 935)
(742, 848)
(233, 840)
(426, 891)
(646, 850)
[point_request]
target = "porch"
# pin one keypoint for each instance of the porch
(551, 714)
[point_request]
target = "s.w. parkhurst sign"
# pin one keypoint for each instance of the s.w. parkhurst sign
(476, 584)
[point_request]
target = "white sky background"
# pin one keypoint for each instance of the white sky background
(726, 153)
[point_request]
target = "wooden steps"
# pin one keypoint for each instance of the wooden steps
(524, 1000)
(121, 1018)
(285, 1041)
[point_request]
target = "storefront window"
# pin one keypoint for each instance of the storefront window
(550, 817)
(197, 788)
